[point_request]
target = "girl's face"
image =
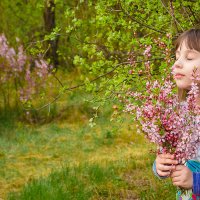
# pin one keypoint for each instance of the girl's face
(186, 61)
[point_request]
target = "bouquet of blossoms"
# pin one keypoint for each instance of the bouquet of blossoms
(173, 125)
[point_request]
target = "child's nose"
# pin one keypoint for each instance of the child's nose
(178, 64)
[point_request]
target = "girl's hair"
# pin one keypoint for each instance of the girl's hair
(191, 38)
(192, 41)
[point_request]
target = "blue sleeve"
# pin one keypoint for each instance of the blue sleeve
(155, 172)
(196, 184)
(194, 166)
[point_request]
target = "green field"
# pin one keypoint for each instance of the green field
(74, 161)
(83, 59)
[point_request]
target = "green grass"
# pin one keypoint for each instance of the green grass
(92, 181)
(63, 161)
(71, 183)
(67, 159)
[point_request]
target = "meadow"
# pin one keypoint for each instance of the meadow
(75, 50)
(68, 159)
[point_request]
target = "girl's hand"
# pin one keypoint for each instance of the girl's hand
(182, 177)
(165, 163)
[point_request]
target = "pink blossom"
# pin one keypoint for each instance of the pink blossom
(173, 125)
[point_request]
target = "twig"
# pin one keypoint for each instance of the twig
(54, 75)
(95, 79)
(197, 21)
(78, 86)
(139, 22)
(185, 10)
(172, 15)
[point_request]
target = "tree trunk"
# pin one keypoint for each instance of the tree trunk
(49, 25)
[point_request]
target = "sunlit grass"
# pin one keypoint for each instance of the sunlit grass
(34, 153)
(67, 159)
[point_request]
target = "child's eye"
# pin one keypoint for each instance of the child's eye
(189, 58)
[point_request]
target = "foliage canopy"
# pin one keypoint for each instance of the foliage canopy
(104, 41)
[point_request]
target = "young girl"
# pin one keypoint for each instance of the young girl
(183, 176)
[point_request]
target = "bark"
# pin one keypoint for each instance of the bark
(49, 25)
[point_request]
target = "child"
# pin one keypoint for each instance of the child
(187, 57)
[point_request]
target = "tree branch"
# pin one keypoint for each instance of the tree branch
(139, 22)
(172, 15)
(83, 84)
(193, 14)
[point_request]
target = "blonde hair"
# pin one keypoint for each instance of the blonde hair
(192, 41)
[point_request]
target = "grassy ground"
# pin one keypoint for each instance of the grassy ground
(67, 159)
(74, 161)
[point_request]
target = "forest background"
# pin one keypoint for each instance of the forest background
(64, 66)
